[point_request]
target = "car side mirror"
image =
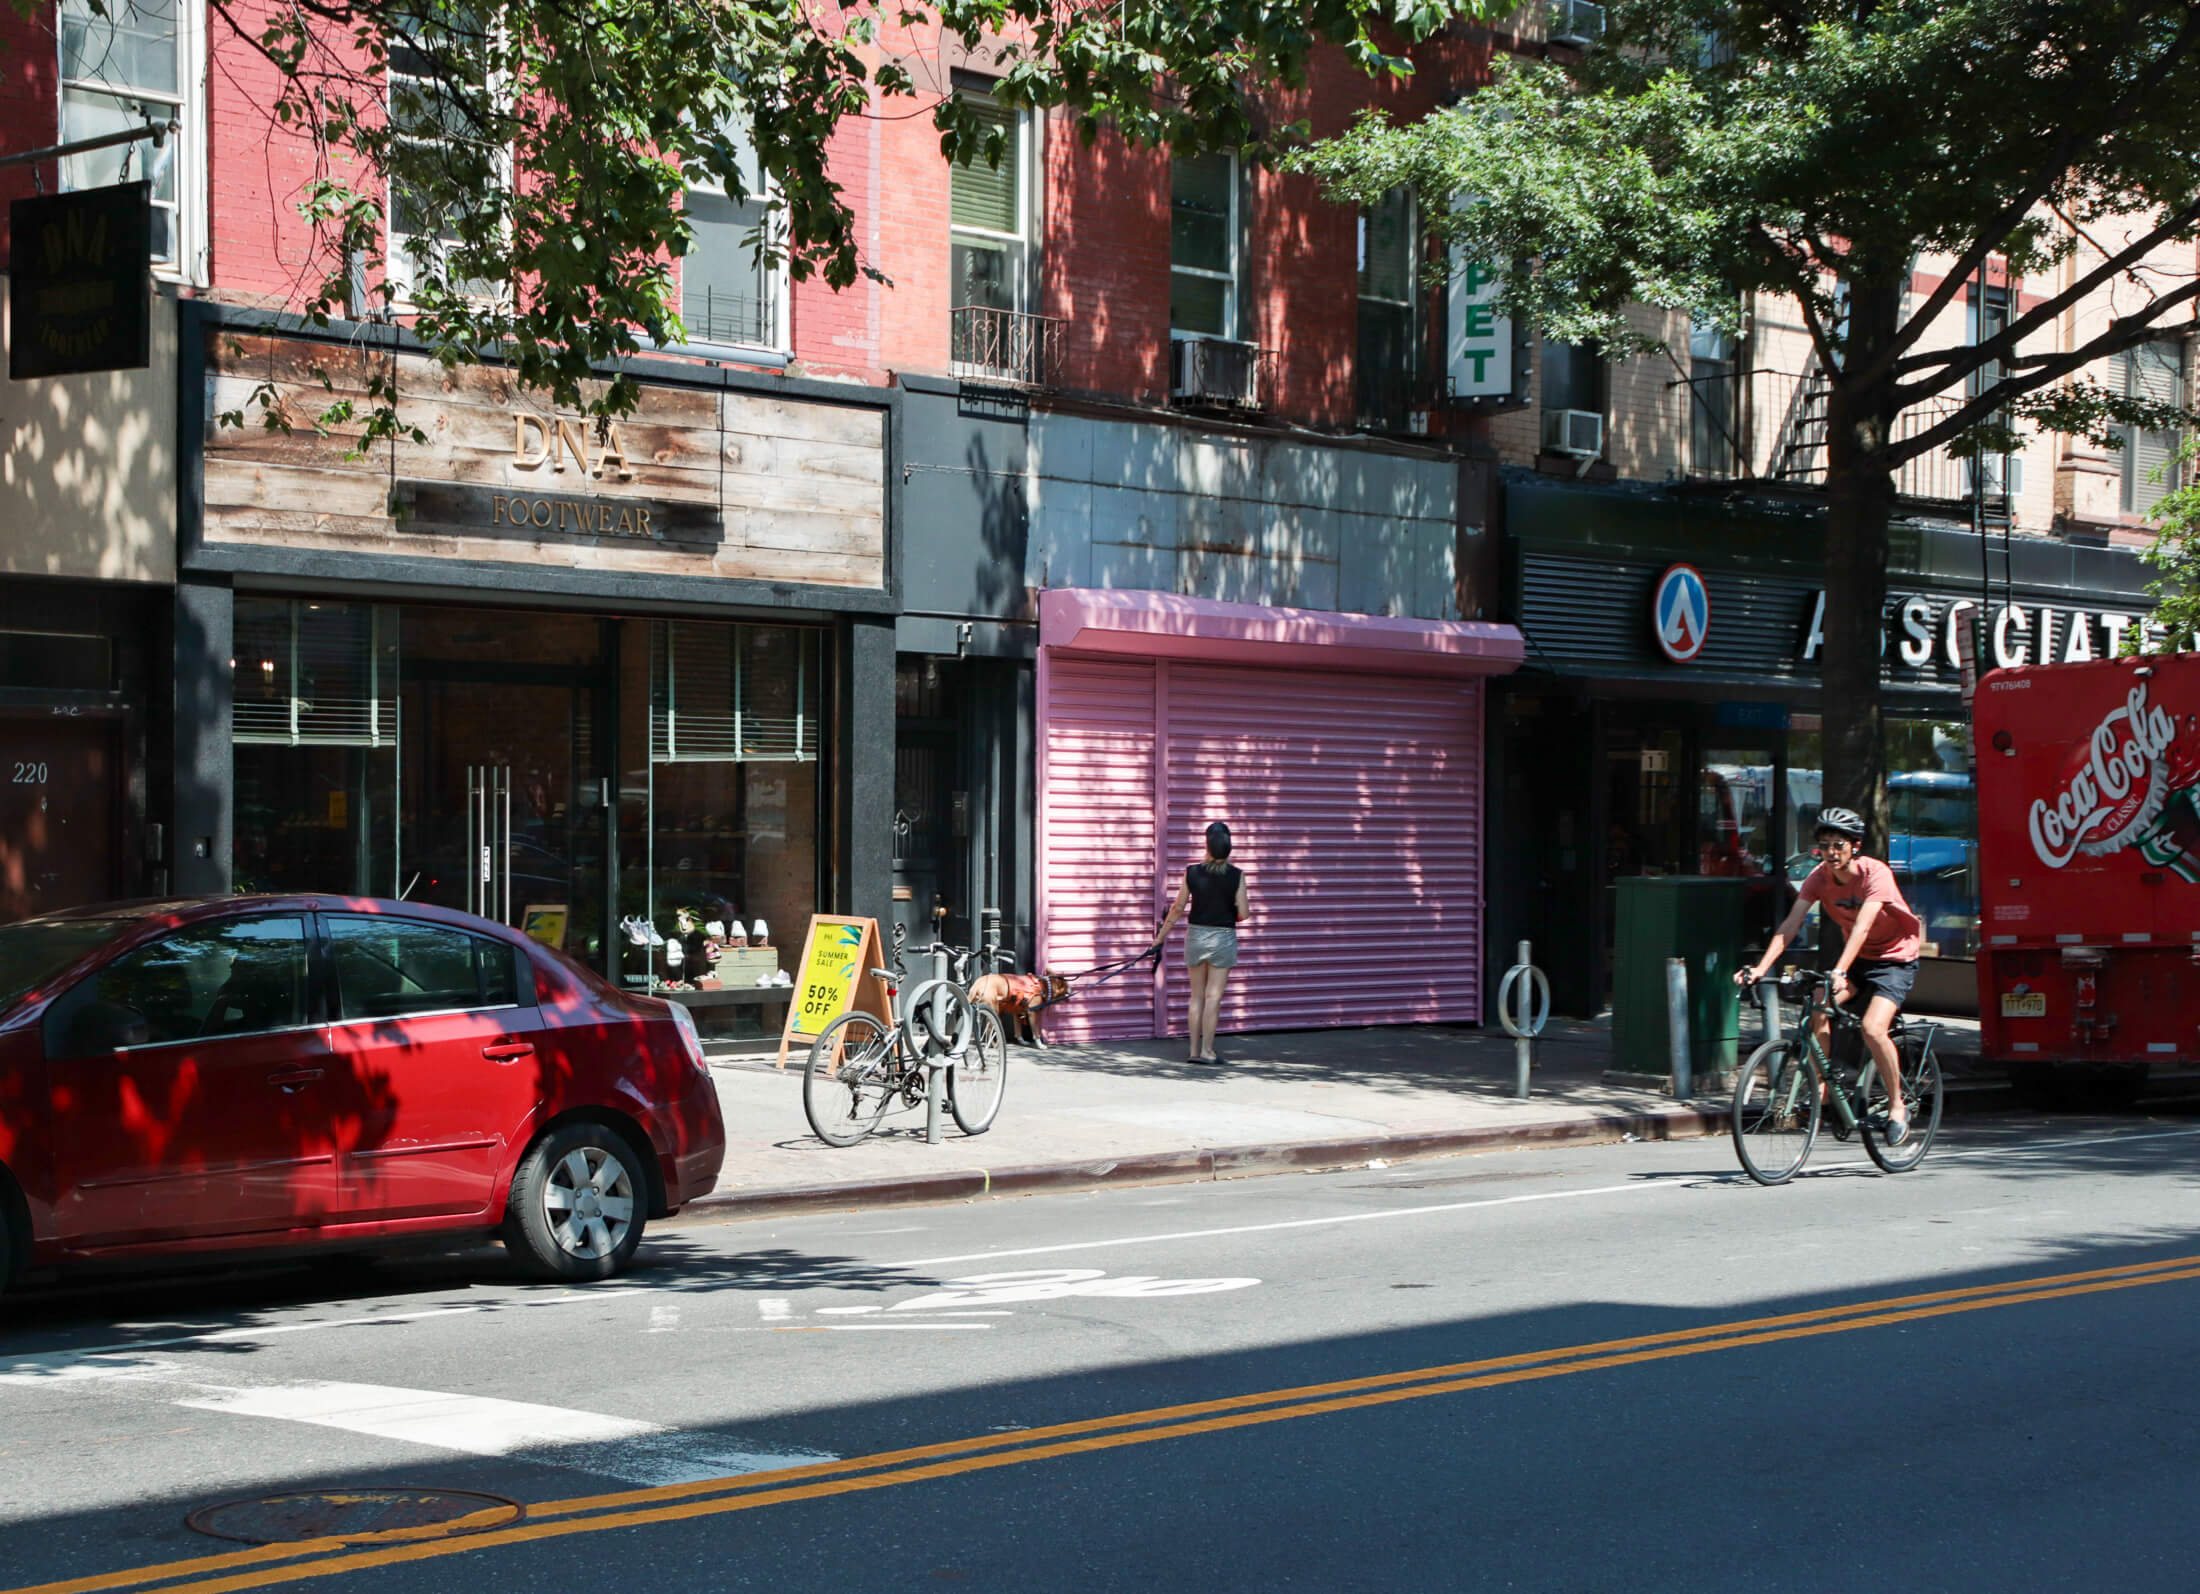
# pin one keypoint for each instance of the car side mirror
(98, 1027)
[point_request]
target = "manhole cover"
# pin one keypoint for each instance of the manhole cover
(355, 1514)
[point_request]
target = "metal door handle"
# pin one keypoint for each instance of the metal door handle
(293, 1079)
(507, 1051)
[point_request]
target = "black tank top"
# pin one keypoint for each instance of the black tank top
(1214, 894)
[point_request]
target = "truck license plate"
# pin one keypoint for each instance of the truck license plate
(2031, 1004)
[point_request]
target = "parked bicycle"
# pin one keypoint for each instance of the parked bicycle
(1789, 1083)
(860, 1067)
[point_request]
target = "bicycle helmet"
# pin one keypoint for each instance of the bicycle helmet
(1842, 821)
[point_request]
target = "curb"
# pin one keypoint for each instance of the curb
(1221, 1162)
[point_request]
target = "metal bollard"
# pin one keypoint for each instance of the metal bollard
(1768, 999)
(935, 1070)
(1676, 1027)
(1523, 1007)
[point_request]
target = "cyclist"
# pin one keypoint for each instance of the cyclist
(1879, 955)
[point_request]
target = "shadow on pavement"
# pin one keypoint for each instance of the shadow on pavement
(1998, 1449)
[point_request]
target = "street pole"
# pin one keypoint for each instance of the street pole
(935, 1068)
(1676, 1027)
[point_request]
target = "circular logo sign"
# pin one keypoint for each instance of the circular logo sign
(1680, 613)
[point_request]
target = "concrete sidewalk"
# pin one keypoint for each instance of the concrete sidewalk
(1136, 1111)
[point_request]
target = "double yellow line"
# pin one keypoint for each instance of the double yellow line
(288, 1563)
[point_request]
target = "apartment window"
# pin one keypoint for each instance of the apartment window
(1714, 410)
(1573, 399)
(133, 62)
(1986, 317)
(1203, 246)
(1389, 347)
(2151, 371)
(728, 289)
(438, 90)
(989, 221)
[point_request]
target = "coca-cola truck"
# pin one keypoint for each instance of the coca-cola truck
(2089, 870)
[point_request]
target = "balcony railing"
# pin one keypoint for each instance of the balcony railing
(1771, 426)
(1006, 348)
(717, 315)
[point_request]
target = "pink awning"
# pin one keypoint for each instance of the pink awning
(1161, 625)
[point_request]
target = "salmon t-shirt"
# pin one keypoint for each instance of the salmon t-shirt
(1894, 933)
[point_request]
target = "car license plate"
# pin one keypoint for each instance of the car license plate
(2029, 1004)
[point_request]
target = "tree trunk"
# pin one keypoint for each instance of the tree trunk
(1859, 505)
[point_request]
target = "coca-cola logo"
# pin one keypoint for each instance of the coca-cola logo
(2113, 784)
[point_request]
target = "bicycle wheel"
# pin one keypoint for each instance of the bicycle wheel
(980, 1076)
(1921, 1089)
(850, 1079)
(1775, 1111)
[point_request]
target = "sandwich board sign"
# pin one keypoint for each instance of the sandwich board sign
(834, 977)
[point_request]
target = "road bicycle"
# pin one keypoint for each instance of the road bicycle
(861, 1067)
(1789, 1083)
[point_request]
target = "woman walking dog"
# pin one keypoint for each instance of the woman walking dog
(1214, 890)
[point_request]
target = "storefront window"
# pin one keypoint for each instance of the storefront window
(718, 810)
(519, 765)
(1932, 823)
(1932, 830)
(315, 725)
(1806, 794)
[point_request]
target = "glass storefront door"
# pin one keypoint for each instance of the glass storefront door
(502, 811)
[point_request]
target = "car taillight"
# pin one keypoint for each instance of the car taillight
(690, 1037)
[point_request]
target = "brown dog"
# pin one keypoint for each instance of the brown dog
(1017, 998)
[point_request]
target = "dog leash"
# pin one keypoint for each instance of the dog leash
(1105, 971)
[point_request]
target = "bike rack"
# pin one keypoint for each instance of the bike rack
(1523, 988)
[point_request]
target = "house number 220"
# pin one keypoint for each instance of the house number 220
(28, 774)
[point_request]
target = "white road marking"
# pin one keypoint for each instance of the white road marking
(664, 1320)
(64, 1369)
(1057, 1283)
(843, 1311)
(473, 1424)
(916, 1328)
(1690, 1181)
(772, 1307)
(583, 1441)
(1640, 1187)
(36, 1360)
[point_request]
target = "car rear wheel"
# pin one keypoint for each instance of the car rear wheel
(578, 1204)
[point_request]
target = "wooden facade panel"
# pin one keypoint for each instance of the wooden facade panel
(797, 486)
(786, 456)
(796, 532)
(748, 414)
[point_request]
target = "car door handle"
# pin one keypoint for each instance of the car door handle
(507, 1051)
(293, 1079)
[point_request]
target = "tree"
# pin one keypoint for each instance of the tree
(2175, 552)
(539, 150)
(1817, 149)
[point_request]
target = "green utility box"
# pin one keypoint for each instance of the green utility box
(1694, 917)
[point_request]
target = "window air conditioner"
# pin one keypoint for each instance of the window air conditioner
(1576, 22)
(1214, 371)
(1576, 432)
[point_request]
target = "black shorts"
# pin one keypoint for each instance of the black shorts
(1882, 977)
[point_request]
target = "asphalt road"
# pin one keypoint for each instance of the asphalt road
(1601, 1368)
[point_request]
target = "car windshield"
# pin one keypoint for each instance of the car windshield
(29, 952)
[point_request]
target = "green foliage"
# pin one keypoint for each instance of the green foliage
(2175, 552)
(542, 147)
(1815, 150)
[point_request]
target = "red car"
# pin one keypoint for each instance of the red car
(253, 1071)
